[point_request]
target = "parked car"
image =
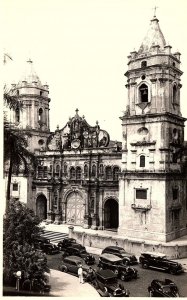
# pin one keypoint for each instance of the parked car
(62, 245)
(49, 248)
(44, 244)
(165, 288)
(79, 250)
(159, 261)
(107, 285)
(41, 239)
(115, 263)
(128, 258)
(70, 264)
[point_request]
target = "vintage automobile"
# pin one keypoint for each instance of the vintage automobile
(79, 250)
(41, 239)
(166, 288)
(128, 258)
(45, 245)
(159, 261)
(49, 248)
(115, 263)
(62, 245)
(106, 284)
(70, 264)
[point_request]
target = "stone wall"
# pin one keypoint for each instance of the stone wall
(172, 250)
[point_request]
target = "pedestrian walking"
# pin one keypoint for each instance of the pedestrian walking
(80, 274)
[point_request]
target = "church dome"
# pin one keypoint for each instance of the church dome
(154, 37)
(30, 76)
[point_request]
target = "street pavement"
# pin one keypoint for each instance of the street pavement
(66, 285)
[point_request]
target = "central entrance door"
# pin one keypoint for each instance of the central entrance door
(111, 214)
(75, 209)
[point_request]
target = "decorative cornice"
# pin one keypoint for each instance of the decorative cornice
(143, 143)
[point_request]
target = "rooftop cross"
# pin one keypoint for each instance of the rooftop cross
(77, 111)
(155, 11)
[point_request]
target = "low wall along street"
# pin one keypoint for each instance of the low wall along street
(97, 240)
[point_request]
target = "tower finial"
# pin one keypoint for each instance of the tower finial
(154, 16)
(76, 111)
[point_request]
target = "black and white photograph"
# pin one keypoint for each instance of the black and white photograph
(94, 148)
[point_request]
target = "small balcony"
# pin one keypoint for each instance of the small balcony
(141, 208)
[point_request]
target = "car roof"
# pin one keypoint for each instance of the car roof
(106, 274)
(114, 247)
(74, 258)
(111, 257)
(154, 254)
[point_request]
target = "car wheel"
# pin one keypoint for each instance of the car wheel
(144, 265)
(95, 284)
(126, 263)
(173, 272)
(122, 277)
(64, 269)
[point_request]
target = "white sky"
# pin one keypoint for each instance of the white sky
(80, 48)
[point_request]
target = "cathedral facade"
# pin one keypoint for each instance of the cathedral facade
(139, 186)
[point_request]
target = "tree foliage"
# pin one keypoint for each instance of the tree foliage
(20, 229)
(16, 151)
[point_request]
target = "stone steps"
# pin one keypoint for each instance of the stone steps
(54, 237)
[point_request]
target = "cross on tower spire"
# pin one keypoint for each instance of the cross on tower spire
(155, 8)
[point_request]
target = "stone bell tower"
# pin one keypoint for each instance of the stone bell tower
(152, 189)
(34, 114)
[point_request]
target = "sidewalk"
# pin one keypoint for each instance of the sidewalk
(66, 285)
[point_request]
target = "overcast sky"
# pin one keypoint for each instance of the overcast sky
(80, 48)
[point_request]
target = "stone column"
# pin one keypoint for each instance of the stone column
(58, 218)
(49, 205)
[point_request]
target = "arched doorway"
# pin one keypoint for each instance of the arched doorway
(111, 214)
(41, 207)
(75, 209)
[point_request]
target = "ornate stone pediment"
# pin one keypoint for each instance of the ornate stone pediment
(78, 134)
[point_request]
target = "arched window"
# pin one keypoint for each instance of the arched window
(40, 114)
(143, 64)
(94, 170)
(85, 171)
(58, 170)
(142, 160)
(40, 171)
(78, 172)
(17, 115)
(45, 172)
(143, 93)
(115, 173)
(108, 172)
(72, 173)
(174, 94)
(101, 169)
(65, 170)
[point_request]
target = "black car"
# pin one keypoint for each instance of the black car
(62, 245)
(49, 248)
(165, 288)
(45, 245)
(79, 250)
(40, 240)
(115, 263)
(159, 261)
(128, 258)
(70, 264)
(107, 285)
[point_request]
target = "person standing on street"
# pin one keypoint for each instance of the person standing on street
(80, 274)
